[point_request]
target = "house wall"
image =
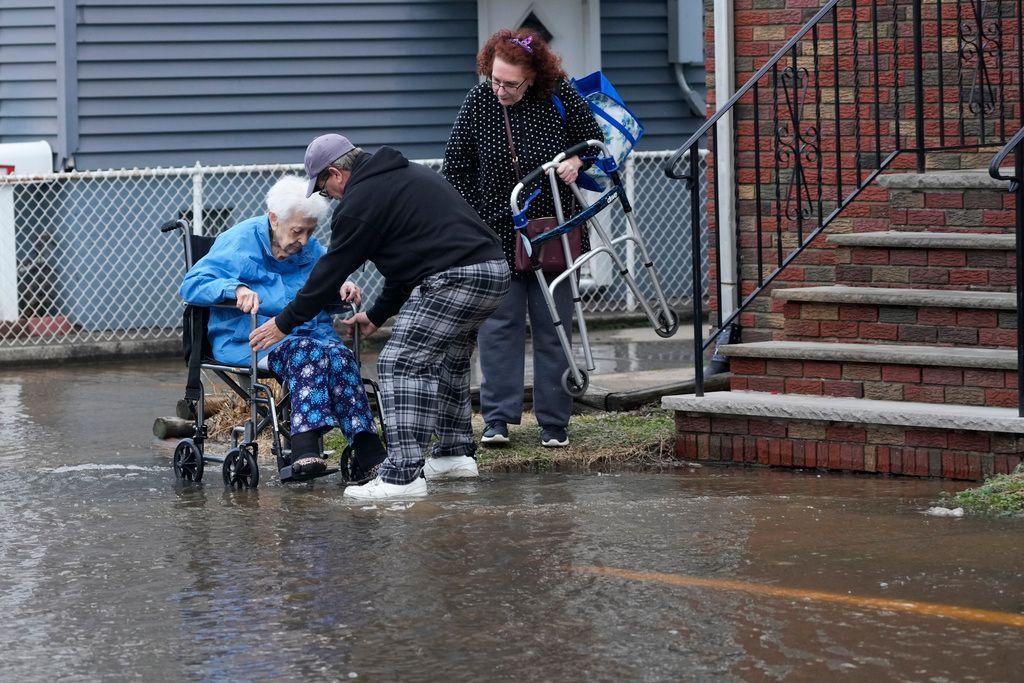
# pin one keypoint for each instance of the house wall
(28, 71)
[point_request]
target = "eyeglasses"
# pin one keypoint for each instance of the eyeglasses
(497, 85)
(321, 182)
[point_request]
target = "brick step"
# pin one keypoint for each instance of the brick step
(891, 316)
(964, 201)
(858, 435)
(926, 260)
(929, 374)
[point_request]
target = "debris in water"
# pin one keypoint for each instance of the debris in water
(945, 512)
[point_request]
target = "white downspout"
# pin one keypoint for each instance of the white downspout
(725, 86)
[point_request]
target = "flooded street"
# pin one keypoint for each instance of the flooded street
(109, 570)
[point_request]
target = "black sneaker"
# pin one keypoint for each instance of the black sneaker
(554, 437)
(366, 457)
(495, 433)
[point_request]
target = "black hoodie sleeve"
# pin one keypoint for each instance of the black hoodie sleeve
(352, 241)
(388, 302)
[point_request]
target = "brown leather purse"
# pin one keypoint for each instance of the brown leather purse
(552, 256)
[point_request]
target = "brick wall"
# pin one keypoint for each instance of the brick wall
(847, 447)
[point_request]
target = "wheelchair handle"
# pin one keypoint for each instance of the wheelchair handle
(176, 224)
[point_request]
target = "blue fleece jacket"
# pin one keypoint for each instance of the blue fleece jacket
(242, 256)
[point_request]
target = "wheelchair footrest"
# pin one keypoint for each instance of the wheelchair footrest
(285, 473)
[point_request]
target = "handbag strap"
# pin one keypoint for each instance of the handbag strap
(511, 144)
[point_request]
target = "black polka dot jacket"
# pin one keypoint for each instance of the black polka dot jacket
(478, 162)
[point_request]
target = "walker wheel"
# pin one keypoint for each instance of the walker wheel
(667, 328)
(569, 382)
(240, 470)
(188, 461)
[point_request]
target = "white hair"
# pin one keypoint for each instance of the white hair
(288, 197)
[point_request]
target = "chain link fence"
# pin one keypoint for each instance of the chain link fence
(82, 261)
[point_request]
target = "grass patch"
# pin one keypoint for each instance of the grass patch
(1002, 494)
(638, 439)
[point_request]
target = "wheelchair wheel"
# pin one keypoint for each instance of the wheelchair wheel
(188, 461)
(667, 328)
(569, 382)
(240, 470)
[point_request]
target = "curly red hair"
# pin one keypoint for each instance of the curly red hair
(544, 65)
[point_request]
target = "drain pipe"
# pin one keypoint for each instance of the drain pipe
(725, 86)
(697, 105)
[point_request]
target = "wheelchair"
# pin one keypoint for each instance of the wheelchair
(239, 466)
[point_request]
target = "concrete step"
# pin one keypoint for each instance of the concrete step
(894, 239)
(898, 316)
(1002, 359)
(929, 374)
(892, 296)
(926, 260)
(910, 438)
(859, 411)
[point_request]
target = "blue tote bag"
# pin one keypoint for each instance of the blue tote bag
(620, 126)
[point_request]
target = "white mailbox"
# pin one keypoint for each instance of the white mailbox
(16, 158)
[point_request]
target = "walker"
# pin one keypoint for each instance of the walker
(576, 379)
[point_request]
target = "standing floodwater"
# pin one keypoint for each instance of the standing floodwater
(108, 569)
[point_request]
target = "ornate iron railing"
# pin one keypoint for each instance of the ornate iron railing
(862, 82)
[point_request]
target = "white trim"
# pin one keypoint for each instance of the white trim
(725, 86)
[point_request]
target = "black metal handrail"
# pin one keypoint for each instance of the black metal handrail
(824, 117)
(1016, 188)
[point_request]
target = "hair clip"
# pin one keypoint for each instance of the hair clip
(523, 43)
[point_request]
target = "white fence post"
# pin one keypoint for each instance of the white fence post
(629, 180)
(197, 199)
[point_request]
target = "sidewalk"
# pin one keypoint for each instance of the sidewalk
(634, 366)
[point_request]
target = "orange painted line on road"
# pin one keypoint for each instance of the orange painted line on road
(929, 609)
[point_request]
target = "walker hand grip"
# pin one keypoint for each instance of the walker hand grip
(532, 176)
(577, 149)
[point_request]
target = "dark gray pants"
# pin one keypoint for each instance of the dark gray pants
(502, 344)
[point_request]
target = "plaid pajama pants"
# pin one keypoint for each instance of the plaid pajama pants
(424, 368)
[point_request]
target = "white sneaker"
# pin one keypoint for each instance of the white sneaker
(378, 489)
(450, 467)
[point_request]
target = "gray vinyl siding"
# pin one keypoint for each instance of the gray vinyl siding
(634, 55)
(28, 71)
(252, 81)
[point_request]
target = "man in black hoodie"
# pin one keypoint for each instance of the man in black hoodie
(444, 274)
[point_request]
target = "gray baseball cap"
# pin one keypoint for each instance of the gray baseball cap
(321, 152)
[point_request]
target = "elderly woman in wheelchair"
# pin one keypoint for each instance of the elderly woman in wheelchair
(260, 264)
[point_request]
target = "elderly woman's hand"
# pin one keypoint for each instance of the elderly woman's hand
(569, 169)
(246, 300)
(266, 335)
(351, 292)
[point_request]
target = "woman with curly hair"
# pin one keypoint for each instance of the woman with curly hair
(515, 101)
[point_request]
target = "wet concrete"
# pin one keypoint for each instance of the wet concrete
(108, 570)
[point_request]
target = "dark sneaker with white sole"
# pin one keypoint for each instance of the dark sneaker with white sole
(554, 437)
(495, 434)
